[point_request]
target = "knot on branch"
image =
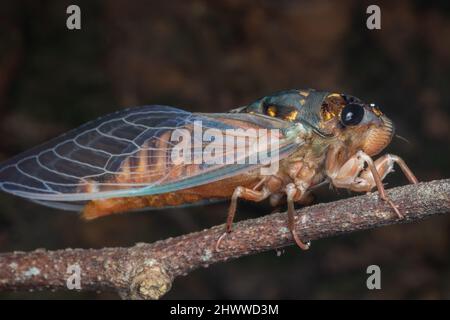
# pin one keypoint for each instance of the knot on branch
(150, 282)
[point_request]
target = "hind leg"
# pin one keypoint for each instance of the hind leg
(244, 193)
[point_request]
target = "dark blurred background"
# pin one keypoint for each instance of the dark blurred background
(213, 56)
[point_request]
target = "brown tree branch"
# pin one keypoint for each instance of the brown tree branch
(147, 270)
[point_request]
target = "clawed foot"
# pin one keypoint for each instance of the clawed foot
(384, 197)
(217, 246)
(394, 206)
(299, 242)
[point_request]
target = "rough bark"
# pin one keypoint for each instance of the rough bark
(146, 271)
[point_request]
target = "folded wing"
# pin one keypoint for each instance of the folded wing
(127, 153)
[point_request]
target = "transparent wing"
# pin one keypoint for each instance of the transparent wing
(129, 153)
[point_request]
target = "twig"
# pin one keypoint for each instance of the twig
(146, 271)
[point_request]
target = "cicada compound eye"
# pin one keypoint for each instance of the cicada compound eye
(352, 114)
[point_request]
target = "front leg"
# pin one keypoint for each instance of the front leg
(353, 176)
(363, 180)
(384, 166)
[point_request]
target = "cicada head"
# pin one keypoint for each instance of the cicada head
(360, 126)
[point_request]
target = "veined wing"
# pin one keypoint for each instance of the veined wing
(128, 153)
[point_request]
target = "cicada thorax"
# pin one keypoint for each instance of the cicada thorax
(310, 108)
(290, 105)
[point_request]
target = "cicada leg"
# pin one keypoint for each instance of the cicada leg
(353, 176)
(385, 165)
(244, 193)
(292, 194)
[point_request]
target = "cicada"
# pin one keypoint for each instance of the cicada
(153, 157)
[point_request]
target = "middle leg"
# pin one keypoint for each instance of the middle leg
(294, 194)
